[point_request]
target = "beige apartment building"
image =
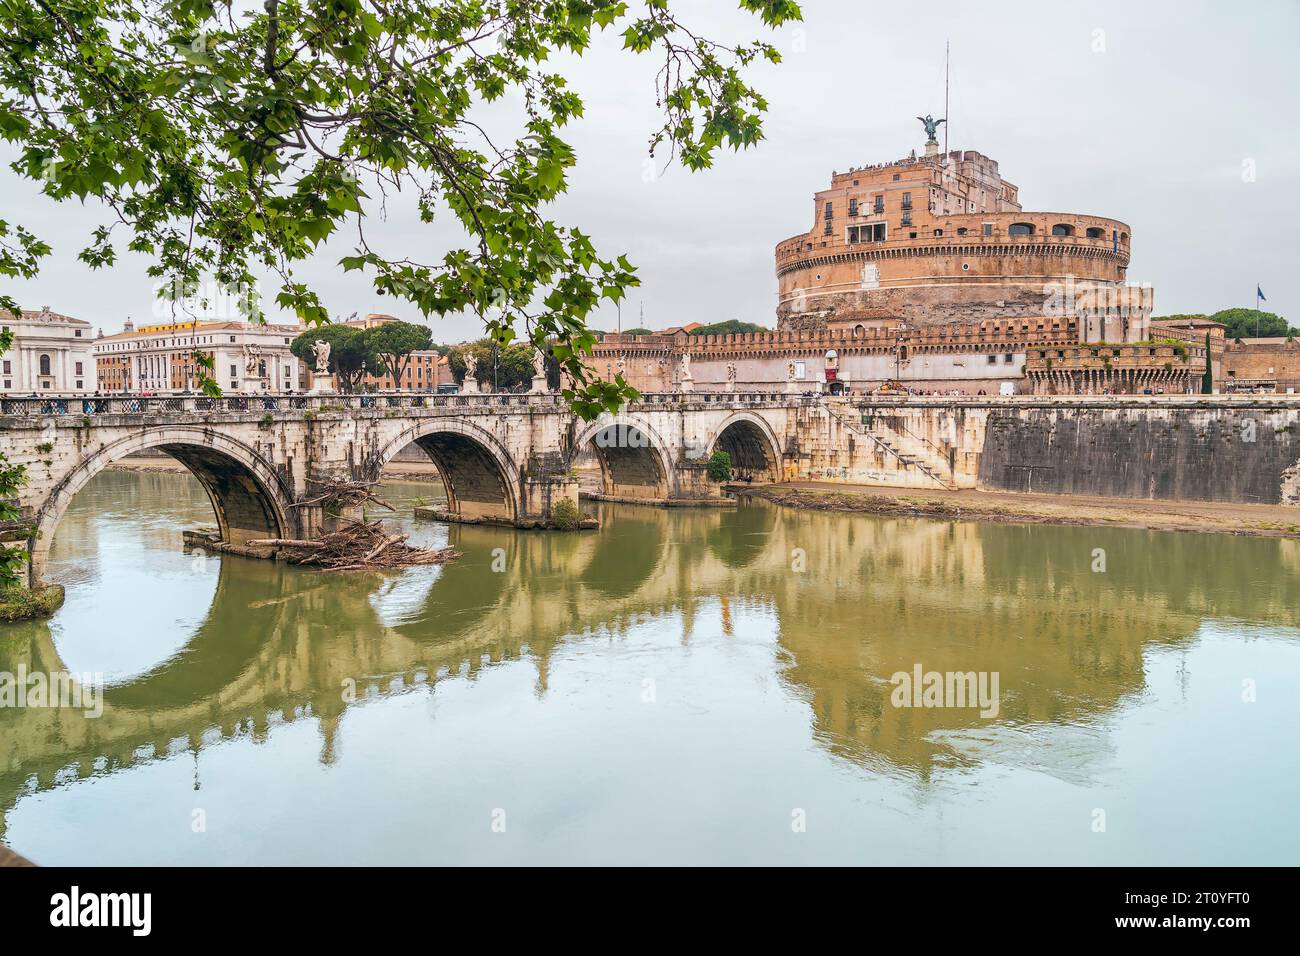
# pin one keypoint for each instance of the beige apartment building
(247, 358)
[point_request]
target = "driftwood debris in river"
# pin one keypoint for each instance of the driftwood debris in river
(356, 546)
(342, 493)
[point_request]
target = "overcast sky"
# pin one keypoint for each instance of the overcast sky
(1150, 112)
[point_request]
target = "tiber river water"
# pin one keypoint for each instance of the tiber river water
(704, 686)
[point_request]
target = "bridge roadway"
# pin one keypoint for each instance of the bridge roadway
(504, 458)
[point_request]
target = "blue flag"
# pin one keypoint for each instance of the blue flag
(1260, 294)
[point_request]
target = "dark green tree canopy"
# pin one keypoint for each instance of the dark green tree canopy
(351, 356)
(729, 327)
(1250, 323)
(512, 365)
(226, 139)
(1240, 323)
(393, 343)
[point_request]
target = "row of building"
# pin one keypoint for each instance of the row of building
(925, 273)
(55, 353)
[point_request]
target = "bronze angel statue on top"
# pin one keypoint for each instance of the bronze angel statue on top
(931, 126)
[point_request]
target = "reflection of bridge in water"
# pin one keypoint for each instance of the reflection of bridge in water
(1069, 644)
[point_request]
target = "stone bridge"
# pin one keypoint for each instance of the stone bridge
(504, 459)
(508, 459)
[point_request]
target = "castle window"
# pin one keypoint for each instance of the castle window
(830, 226)
(871, 232)
(1095, 232)
(961, 231)
(830, 211)
(988, 228)
(938, 233)
(857, 331)
(45, 365)
(1020, 229)
(853, 207)
(1061, 229)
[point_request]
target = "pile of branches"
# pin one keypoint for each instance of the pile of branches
(356, 546)
(338, 493)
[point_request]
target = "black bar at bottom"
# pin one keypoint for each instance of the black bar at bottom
(301, 905)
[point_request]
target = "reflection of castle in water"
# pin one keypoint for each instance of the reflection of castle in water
(878, 596)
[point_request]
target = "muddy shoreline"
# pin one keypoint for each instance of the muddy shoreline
(1269, 521)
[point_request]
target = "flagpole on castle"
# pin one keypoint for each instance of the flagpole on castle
(947, 124)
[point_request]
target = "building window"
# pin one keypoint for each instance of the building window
(938, 233)
(233, 371)
(1008, 358)
(8, 367)
(1095, 232)
(830, 213)
(79, 385)
(1020, 229)
(77, 333)
(853, 207)
(961, 230)
(79, 372)
(45, 365)
(871, 232)
(988, 228)
(907, 200)
(993, 360)
(1062, 229)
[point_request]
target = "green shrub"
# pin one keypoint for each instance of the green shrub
(719, 466)
(565, 515)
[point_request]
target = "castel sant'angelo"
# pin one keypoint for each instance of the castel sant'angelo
(928, 271)
(942, 239)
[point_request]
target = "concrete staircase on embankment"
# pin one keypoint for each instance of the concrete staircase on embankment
(911, 453)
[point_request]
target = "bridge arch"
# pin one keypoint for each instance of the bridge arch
(633, 457)
(250, 498)
(752, 444)
(481, 478)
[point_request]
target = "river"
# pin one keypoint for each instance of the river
(681, 686)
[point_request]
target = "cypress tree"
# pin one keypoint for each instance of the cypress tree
(1207, 380)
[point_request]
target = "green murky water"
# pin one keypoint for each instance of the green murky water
(682, 686)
